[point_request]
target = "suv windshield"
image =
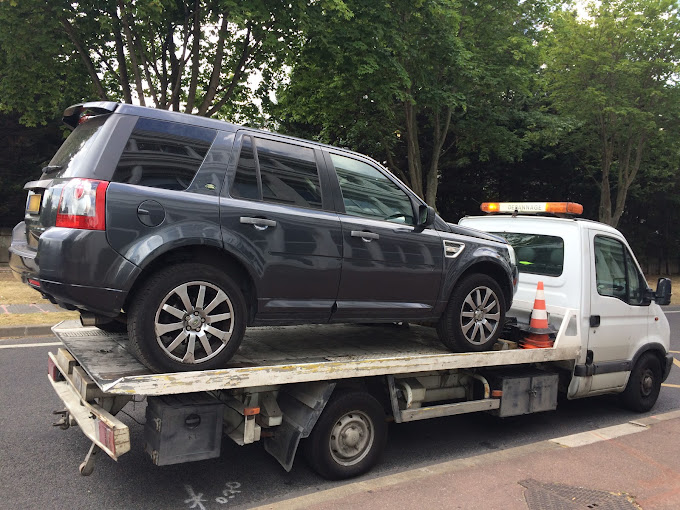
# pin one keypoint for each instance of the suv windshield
(75, 147)
(537, 254)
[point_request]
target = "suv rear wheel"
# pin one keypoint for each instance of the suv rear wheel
(474, 317)
(187, 317)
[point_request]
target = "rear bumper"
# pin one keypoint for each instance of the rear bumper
(75, 269)
(77, 392)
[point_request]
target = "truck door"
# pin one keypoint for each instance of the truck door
(619, 312)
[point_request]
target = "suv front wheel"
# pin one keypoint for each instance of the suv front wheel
(474, 317)
(187, 317)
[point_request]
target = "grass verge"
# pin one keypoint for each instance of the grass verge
(35, 319)
(13, 292)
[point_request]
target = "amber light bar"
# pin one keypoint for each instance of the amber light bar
(533, 207)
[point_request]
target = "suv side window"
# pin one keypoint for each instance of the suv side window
(369, 194)
(163, 154)
(277, 172)
(616, 273)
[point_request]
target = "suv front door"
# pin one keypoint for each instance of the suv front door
(279, 218)
(389, 270)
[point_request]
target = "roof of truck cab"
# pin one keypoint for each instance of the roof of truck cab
(542, 222)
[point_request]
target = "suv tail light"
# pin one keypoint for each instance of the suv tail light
(83, 205)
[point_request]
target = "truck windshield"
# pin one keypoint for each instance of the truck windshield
(537, 254)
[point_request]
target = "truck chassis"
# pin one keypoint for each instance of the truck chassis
(330, 385)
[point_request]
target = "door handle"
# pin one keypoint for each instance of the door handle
(594, 321)
(366, 236)
(258, 223)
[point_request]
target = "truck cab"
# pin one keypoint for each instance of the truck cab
(589, 267)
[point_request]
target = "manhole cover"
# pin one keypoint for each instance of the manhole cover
(553, 496)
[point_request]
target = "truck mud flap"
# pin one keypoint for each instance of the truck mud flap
(301, 405)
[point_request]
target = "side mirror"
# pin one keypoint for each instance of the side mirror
(426, 216)
(662, 296)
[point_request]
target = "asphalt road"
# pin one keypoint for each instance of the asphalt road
(39, 463)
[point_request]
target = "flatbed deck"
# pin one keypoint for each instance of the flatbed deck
(292, 354)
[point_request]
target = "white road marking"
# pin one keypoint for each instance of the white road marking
(671, 311)
(42, 344)
(594, 436)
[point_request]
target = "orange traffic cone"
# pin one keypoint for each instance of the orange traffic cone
(539, 336)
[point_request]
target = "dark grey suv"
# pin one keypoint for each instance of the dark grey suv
(189, 229)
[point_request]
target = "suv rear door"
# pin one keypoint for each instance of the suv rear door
(389, 270)
(279, 215)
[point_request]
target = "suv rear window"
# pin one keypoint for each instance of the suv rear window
(76, 146)
(163, 154)
(537, 254)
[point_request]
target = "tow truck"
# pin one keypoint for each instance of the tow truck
(331, 390)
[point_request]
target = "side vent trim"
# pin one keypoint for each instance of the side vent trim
(452, 249)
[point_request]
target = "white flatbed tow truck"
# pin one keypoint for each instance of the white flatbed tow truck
(334, 387)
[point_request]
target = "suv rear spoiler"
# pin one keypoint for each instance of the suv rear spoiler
(73, 113)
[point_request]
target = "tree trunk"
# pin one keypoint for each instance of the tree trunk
(440, 133)
(85, 57)
(195, 59)
(415, 165)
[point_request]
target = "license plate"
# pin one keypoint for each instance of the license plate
(33, 203)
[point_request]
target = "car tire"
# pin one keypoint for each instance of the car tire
(644, 384)
(474, 317)
(187, 317)
(348, 438)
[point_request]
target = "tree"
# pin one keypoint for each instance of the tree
(616, 73)
(198, 56)
(399, 79)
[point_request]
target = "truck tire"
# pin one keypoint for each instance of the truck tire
(644, 384)
(348, 438)
(186, 317)
(474, 317)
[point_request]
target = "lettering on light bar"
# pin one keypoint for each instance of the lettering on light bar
(533, 207)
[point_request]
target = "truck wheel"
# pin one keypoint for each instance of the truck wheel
(473, 319)
(348, 438)
(187, 317)
(644, 384)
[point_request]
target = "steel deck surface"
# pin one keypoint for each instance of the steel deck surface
(291, 354)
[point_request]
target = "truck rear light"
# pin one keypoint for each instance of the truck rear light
(105, 435)
(53, 371)
(83, 205)
(33, 282)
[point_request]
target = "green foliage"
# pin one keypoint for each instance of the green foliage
(616, 74)
(409, 81)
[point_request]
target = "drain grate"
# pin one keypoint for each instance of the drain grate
(552, 496)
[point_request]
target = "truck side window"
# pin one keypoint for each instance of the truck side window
(616, 273)
(369, 194)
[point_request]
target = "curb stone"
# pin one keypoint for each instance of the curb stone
(24, 331)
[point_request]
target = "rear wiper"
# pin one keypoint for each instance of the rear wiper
(51, 168)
